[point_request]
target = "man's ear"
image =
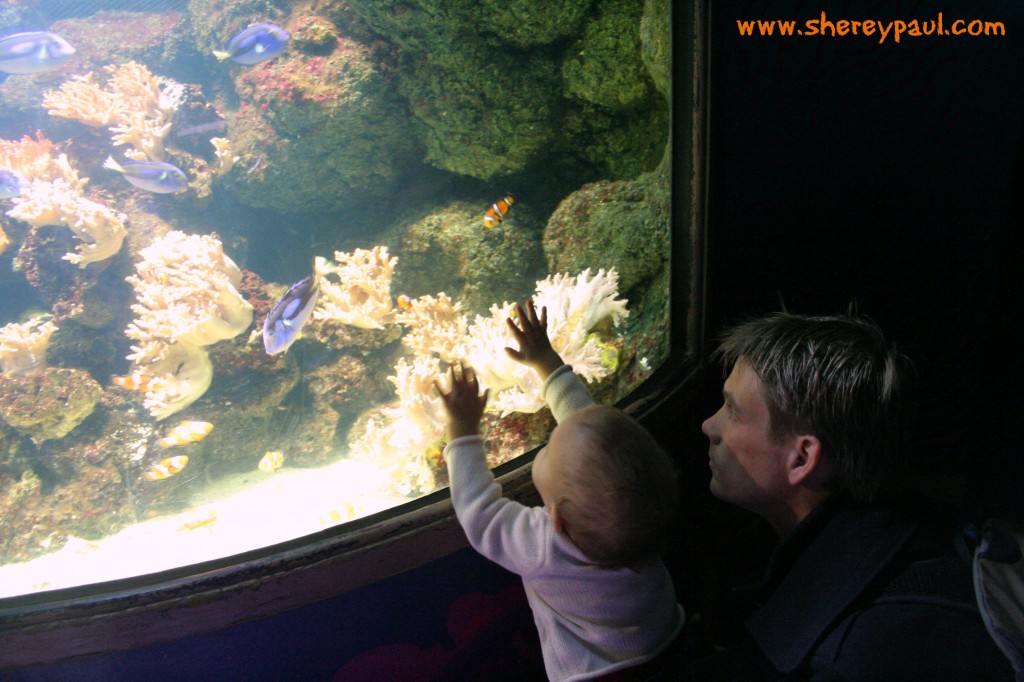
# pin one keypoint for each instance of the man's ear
(805, 464)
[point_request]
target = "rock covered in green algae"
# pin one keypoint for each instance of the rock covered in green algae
(656, 43)
(622, 144)
(486, 113)
(622, 224)
(448, 249)
(317, 131)
(48, 405)
(431, 24)
(604, 66)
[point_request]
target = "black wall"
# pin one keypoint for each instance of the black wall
(890, 175)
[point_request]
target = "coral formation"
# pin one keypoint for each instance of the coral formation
(53, 196)
(23, 346)
(436, 327)
(186, 298)
(137, 106)
(362, 296)
(581, 312)
(578, 307)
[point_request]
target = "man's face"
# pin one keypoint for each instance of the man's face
(747, 467)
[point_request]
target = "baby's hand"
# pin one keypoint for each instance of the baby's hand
(532, 336)
(463, 402)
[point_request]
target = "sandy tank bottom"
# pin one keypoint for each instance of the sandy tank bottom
(236, 514)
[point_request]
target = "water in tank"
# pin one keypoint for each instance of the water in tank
(241, 239)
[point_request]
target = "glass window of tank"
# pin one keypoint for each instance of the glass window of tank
(240, 240)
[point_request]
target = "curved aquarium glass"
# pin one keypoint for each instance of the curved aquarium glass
(241, 239)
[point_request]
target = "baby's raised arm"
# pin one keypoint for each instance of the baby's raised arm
(531, 333)
(463, 402)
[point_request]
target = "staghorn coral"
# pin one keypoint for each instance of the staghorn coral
(137, 106)
(23, 346)
(186, 298)
(363, 296)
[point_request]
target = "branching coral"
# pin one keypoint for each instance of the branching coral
(436, 326)
(226, 158)
(57, 203)
(577, 306)
(363, 296)
(34, 160)
(409, 428)
(581, 314)
(52, 195)
(23, 346)
(186, 297)
(137, 106)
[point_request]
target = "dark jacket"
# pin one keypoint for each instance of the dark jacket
(862, 593)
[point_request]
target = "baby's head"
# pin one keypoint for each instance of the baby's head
(607, 484)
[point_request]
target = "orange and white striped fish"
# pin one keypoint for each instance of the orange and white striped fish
(166, 468)
(184, 433)
(136, 381)
(271, 462)
(403, 301)
(498, 210)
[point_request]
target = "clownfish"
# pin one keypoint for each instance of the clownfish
(184, 433)
(136, 381)
(166, 468)
(498, 210)
(271, 462)
(403, 302)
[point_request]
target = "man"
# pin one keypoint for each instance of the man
(856, 589)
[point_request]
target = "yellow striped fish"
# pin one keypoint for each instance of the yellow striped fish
(184, 433)
(271, 462)
(166, 468)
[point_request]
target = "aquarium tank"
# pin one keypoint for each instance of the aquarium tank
(241, 239)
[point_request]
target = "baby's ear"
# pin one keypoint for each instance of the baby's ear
(556, 519)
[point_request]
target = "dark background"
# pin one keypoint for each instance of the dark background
(890, 176)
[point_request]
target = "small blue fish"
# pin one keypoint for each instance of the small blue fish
(10, 184)
(33, 52)
(255, 44)
(152, 176)
(289, 315)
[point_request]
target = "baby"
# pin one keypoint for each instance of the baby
(601, 597)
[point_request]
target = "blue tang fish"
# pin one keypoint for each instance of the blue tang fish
(10, 184)
(33, 52)
(289, 315)
(255, 44)
(152, 176)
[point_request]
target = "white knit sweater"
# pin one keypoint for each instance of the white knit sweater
(592, 620)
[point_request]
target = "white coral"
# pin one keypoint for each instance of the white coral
(186, 298)
(23, 346)
(576, 306)
(362, 296)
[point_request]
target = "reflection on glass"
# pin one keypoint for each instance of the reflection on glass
(240, 241)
